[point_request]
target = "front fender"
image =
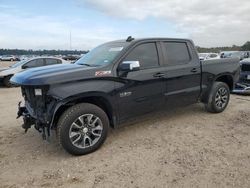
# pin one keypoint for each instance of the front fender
(62, 105)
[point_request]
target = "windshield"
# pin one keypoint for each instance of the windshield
(102, 55)
(19, 63)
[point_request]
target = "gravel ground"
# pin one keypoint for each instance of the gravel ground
(6, 64)
(185, 147)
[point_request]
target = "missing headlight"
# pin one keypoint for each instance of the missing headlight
(38, 92)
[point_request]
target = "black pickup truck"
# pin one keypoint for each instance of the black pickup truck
(117, 81)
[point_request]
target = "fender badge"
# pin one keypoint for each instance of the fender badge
(102, 73)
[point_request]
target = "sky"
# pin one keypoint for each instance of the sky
(48, 24)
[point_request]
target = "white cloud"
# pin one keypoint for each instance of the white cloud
(209, 23)
(42, 32)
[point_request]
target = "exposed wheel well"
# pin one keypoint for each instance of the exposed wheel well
(98, 101)
(226, 79)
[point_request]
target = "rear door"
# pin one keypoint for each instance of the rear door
(141, 91)
(182, 73)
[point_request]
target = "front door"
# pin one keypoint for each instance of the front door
(141, 91)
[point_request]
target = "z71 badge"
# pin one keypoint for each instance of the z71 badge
(102, 73)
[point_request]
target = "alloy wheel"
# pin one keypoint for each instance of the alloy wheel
(221, 98)
(85, 131)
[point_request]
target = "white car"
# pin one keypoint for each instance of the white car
(8, 58)
(7, 73)
(234, 54)
(206, 56)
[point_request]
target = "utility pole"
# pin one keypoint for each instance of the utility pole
(70, 47)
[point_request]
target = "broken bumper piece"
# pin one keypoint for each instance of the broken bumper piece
(28, 121)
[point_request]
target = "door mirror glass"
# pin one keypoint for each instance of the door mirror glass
(129, 66)
(25, 67)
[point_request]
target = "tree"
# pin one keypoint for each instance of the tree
(246, 46)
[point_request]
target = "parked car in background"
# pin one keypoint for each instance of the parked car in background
(243, 85)
(234, 54)
(246, 54)
(206, 56)
(118, 81)
(9, 58)
(71, 58)
(7, 73)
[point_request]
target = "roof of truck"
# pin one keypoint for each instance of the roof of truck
(153, 39)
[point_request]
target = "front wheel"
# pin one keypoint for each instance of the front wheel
(218, 98)
(82, 128)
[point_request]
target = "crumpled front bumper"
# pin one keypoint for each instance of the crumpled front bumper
(29, 120)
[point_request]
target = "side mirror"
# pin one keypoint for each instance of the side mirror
(128, 66)
(25, 67)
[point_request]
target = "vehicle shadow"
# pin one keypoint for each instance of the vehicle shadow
(31, 143)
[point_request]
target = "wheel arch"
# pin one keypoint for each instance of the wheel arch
(98, 100)
(227, 79)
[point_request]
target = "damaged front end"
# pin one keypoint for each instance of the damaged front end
(243, 85)
(37, 109)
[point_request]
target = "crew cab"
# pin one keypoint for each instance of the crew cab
(117, 81)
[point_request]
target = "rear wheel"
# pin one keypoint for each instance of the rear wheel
(82, 128)
(6, 81)
(218, 98)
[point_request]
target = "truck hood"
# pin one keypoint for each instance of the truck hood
(53, 74)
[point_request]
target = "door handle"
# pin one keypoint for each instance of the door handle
(194, 70)
(159, 75)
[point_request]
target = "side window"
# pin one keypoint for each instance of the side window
(177, 53)
(52, 61)
(34, 63)
(213, 55)
(146, 54)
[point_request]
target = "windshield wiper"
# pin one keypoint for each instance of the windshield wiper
(88, 65)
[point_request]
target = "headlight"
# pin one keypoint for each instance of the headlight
(38, 92)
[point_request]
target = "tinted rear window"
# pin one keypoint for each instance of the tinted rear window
(176, 52)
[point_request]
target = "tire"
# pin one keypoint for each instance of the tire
(6, 81)
(218, 98)
(77, 130)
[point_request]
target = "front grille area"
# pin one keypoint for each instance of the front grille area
(245, 67)
(34, 104)
(29, 96)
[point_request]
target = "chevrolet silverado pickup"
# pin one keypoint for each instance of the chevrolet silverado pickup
(117, 81)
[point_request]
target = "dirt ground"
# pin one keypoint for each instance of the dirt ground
(185, 147)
